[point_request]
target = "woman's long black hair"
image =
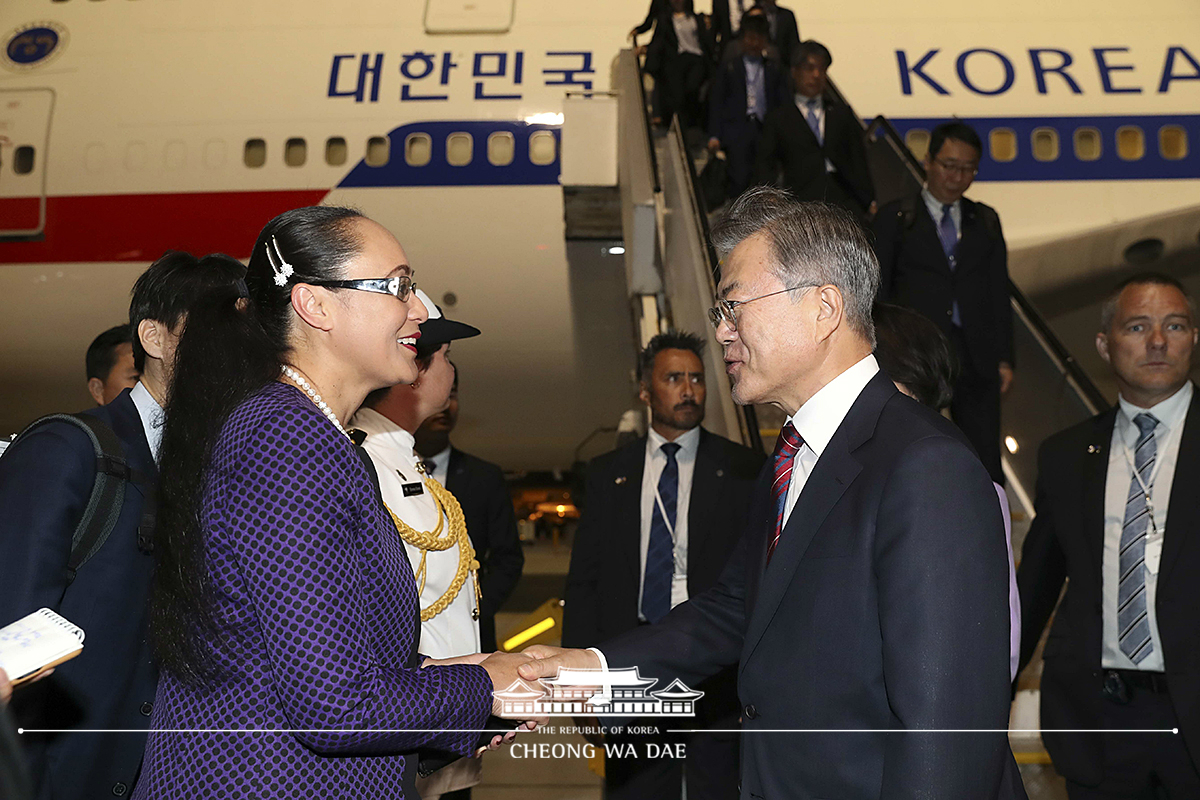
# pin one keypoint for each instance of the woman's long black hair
(231, 346)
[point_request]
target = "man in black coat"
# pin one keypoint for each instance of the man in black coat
(480, 489)
(816, 140)
(746, 87)
(944, 256)
(46, 479)
(1117, 516)
(870, 590)
(614, 586)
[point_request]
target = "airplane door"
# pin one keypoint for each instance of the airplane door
(24, 136)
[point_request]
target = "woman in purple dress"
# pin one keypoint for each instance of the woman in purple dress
(284, 608)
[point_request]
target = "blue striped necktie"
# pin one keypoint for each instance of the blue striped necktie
(1133, 624)
(660, 553)
(813, 120)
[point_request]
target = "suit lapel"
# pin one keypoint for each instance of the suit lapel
(974, 238)
(455, 474)
(628, 505)
(1095, 478)
(1182, 517)
(705, 496)
(835, 470)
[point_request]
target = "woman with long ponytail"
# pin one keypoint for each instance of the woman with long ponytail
(284, 610)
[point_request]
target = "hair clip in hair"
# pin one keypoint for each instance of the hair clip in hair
(283, 270)
(242, 289)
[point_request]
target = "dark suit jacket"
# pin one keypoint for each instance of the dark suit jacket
(664, 45)
(480, 489)
(727, 95)
(885, 606)
(788, 140)
(1066, 540)
(45, 482)
(602, 583)
(915, 273)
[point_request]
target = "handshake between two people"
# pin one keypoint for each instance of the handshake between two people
(527, 667)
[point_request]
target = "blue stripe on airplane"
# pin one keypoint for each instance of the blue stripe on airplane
(479, 172)
(1068, 167)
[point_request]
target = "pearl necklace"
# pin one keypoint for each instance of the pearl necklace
(303, 383)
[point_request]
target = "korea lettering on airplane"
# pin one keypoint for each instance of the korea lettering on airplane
(484, 75)
(987, 71)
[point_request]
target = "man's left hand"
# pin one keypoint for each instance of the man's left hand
(1006, 376)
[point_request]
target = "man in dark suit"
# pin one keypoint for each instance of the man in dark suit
(46, 479)
(816, 140)
(1117, 515)
(869, 593)
(746, 88)
(109, 364)
(480, 489)
(635, 557)
(945, 256)
(785, 33)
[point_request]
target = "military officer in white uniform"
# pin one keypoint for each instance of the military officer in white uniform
(426, 515)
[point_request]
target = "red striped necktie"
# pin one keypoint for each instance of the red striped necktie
(784, 457)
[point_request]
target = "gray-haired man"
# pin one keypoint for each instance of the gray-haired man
(869, 593)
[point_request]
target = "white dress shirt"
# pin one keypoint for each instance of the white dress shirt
(1171, 414)
(151, 415)
(817, 420)
(656, 460)
(452, 632)
(935, 210)
(686, 33)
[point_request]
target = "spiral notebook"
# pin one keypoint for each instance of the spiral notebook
(37, 642)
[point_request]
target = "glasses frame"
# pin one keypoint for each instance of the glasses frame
(400, 287)
(960, 169)
(724, 310)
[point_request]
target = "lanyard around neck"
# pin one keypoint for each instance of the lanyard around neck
(1160, 449)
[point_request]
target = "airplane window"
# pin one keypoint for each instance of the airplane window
(917, 140)
(135, 156)
(542, 148)
(1172, 142)
(1131, 143)
(500, 149)
(378, 151)
(255, 154)
(418, 149)
(295, 152)
(95, 159)
(175, 156)
(214, 153)
(1045, 144)
(1003, 144)
(459, 149)
(23, 159)
(1087, 144)
(336, 151)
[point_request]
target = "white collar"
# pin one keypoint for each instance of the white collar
(688, 442)
(932, 203)
(802, 100)
(380, 428)
(151, 415)
(440, 458)
(817, 420)
(1170, 412)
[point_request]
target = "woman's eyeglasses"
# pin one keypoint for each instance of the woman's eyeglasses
(400, 287)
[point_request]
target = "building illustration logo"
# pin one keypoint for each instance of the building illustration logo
(599, 693)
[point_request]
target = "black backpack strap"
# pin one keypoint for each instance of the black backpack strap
(108, 489)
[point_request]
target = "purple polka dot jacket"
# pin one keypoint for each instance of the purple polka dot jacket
(319, 607)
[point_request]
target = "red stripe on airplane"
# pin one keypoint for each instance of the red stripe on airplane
(19, 213)
(141, 227)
